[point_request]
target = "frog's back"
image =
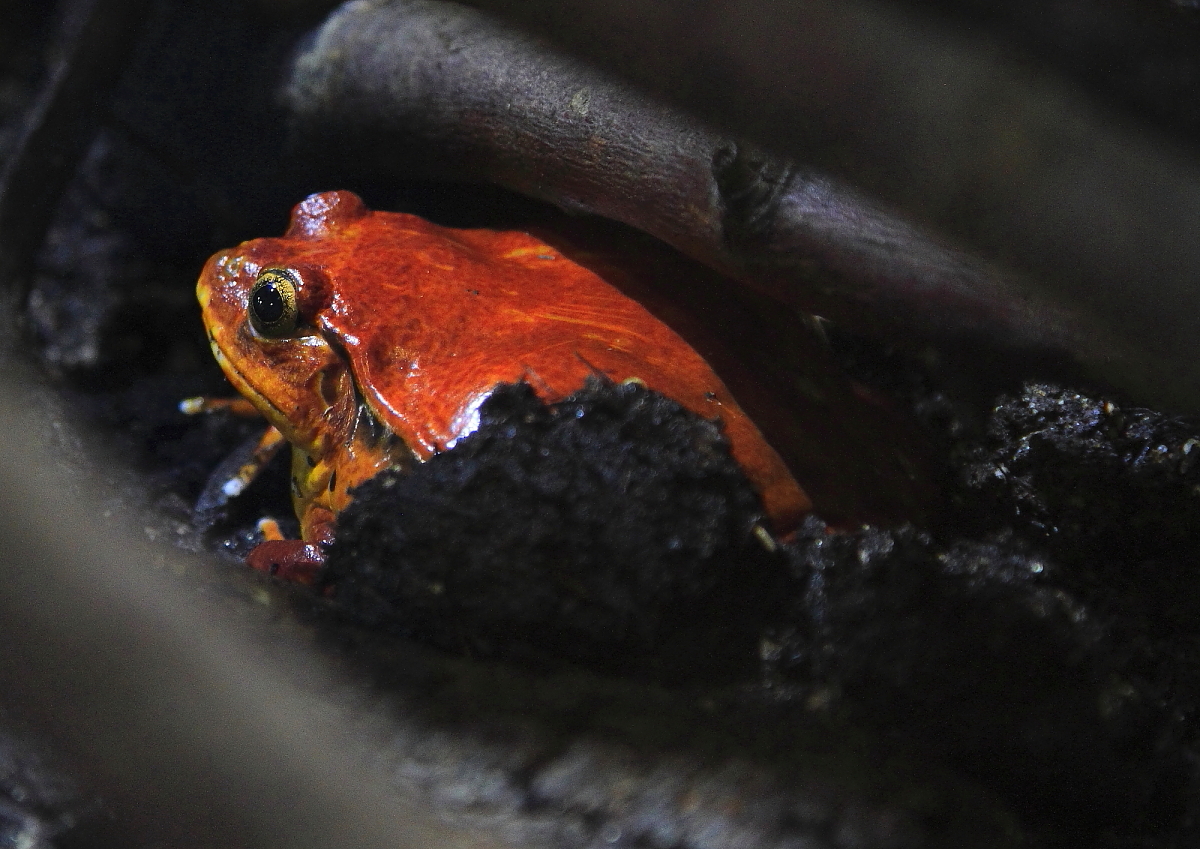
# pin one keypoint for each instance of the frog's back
(432, 319)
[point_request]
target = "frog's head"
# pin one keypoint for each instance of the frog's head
(262, 303)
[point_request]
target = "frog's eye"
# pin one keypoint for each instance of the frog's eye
(273, 310)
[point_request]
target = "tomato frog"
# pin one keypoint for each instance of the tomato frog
(370, 339)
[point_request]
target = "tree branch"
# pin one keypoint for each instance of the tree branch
(418, 87)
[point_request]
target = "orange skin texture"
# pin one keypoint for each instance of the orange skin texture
(418, 323)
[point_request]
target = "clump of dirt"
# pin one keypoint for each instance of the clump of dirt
(612, 528)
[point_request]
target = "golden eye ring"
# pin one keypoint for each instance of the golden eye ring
(272, 303)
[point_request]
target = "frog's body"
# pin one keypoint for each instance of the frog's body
(402, 328)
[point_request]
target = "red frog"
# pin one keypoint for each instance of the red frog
(370, 339)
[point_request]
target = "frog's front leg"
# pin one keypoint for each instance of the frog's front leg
(239, 469)
(296, 560)
(237, 406)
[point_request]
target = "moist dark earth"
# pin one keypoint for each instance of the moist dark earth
(1037, 635)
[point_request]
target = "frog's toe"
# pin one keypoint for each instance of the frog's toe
(290, 559)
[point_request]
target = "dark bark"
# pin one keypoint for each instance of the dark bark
(1080, 209)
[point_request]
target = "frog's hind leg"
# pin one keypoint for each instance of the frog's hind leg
(290, 559)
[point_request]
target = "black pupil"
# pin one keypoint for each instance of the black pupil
(267, 303)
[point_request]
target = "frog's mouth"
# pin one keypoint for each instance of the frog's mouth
(246, 388)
